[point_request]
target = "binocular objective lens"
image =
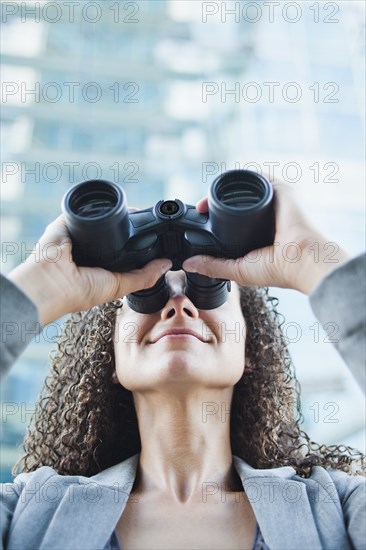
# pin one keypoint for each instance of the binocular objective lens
(93, 203)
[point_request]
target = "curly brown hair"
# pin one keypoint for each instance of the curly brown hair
(83, 423)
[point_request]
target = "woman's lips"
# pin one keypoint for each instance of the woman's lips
(179, 334)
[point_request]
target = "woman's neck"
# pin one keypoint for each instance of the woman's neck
(185, 443)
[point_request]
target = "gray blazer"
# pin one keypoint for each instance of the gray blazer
(45, 510)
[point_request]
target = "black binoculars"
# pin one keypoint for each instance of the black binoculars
(104, 233)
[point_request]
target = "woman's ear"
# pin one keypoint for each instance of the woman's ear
(248, 367)
(114, 378)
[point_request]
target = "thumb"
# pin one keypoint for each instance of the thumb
(248, 270)
(99, 285)
(139, 279)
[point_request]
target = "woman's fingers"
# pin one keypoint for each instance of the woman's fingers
(202, 205)
(104, 286)
(248, 270)
(56, 232)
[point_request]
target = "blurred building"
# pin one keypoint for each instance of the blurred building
(308, 128)
(118, 99)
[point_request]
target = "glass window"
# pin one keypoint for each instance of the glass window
(46, 133)
(279, 130)
(83, 139)
(342, 75)
(341, 135)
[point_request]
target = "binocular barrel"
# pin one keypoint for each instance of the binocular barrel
(240, 204)
(97, 218)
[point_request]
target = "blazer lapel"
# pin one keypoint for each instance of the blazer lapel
(281, 506)
(89, 511)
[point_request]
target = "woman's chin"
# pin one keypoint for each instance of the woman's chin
(180, 366)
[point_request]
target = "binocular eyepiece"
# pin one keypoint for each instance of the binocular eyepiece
(105, 234)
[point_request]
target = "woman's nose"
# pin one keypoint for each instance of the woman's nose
(180, 306)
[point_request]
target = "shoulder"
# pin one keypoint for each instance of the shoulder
(45, 475)
(341, 479)
(23, 479)
(347, 485)
(323, 485)
(336, 484)
(32, 482)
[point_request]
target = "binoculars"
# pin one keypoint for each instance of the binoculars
(105, 234)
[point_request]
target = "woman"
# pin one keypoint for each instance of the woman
(184, 419)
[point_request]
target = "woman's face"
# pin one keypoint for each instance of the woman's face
(148, 357)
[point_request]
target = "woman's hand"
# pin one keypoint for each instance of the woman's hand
(57, 286)
(299, 259)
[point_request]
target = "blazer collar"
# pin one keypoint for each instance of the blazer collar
(246, 471)
(281, 506)
(122, 474)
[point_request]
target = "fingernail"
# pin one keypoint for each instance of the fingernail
(165, 266)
